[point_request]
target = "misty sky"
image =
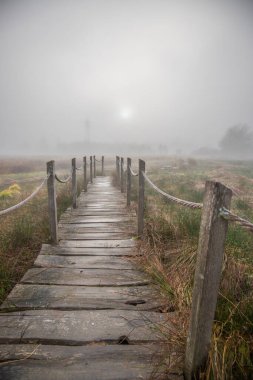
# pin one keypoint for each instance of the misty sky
(157, 71)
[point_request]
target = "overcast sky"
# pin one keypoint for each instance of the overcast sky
(157, 71)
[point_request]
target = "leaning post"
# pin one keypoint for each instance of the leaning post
(129, 181)
(212, 236)
(52, 205)
(74, 183)
(117, 171)
(84, 174)
(103, 165)
(141, 193)
(122, 174)
(91, 175)
(94, 165)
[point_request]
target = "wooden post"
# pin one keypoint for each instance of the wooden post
(84, 174)
(117, 171)
(141, 193)
(103, 166)
(52, 205)
(74, 183)
(91, 180)
(129, 181)
(212, 236)
(122, 174)
(94, 165)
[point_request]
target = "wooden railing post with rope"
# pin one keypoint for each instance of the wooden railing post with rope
(208, 271)
(52, 205)
(94, 166)
(122, 174)
(117, 171)
(74, 183)
(141, 193)
(84, 174)
(91, 175)
(128, 181)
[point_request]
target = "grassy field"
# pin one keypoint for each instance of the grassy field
(169, 254)
(24, 230)
(169, 246)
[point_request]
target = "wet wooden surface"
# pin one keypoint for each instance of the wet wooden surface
(84, 311)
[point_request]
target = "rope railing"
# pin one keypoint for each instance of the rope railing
(171, 198)
(228, 215)
(134, 174)
(215, 218)
(65, 180)
(80, 168)
(20, 204)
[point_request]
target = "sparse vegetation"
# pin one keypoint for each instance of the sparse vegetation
(24, 230)
(169, 249)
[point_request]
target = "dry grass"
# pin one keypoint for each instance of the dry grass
(169, 247)
(24, 230)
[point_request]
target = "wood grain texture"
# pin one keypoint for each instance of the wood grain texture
(84, 277)
(67, 316)
(81, 262)
(110, 362)
(33, 296)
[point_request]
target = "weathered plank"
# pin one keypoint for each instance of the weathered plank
(87, 251)
(96, 219)
(94, 235)
(92, 212)
(109, 362)
(126, 243)
(84, 277)
(88, 262)
(103, 227)
(80, 326)
(26, 296)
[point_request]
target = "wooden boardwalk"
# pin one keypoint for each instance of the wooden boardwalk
(83, 311)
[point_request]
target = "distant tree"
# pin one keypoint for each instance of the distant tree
(238, 141)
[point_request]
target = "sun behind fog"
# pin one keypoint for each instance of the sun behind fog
(126, 113)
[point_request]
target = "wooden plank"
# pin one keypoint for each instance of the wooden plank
(103, 227)
(88, 262)
(96, 219)
(99, 251)
(94, 235)
(84, 277)
(80, 212)
(80, 326)
(98, 225)
(26, 296)
(127, 243)
(110, 362)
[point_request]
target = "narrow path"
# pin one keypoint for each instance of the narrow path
(83, 311)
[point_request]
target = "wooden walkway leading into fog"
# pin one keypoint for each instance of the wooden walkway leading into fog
(83, 311)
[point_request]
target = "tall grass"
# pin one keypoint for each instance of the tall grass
(169, 248)
(24, 230)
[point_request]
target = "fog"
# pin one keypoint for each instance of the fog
(123, 74)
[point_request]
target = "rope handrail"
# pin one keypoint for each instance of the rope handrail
(80, 168)
(97, 160)
(182, 202)
(62, 180)
(135, 174)
(15, 207)
(228, 215)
